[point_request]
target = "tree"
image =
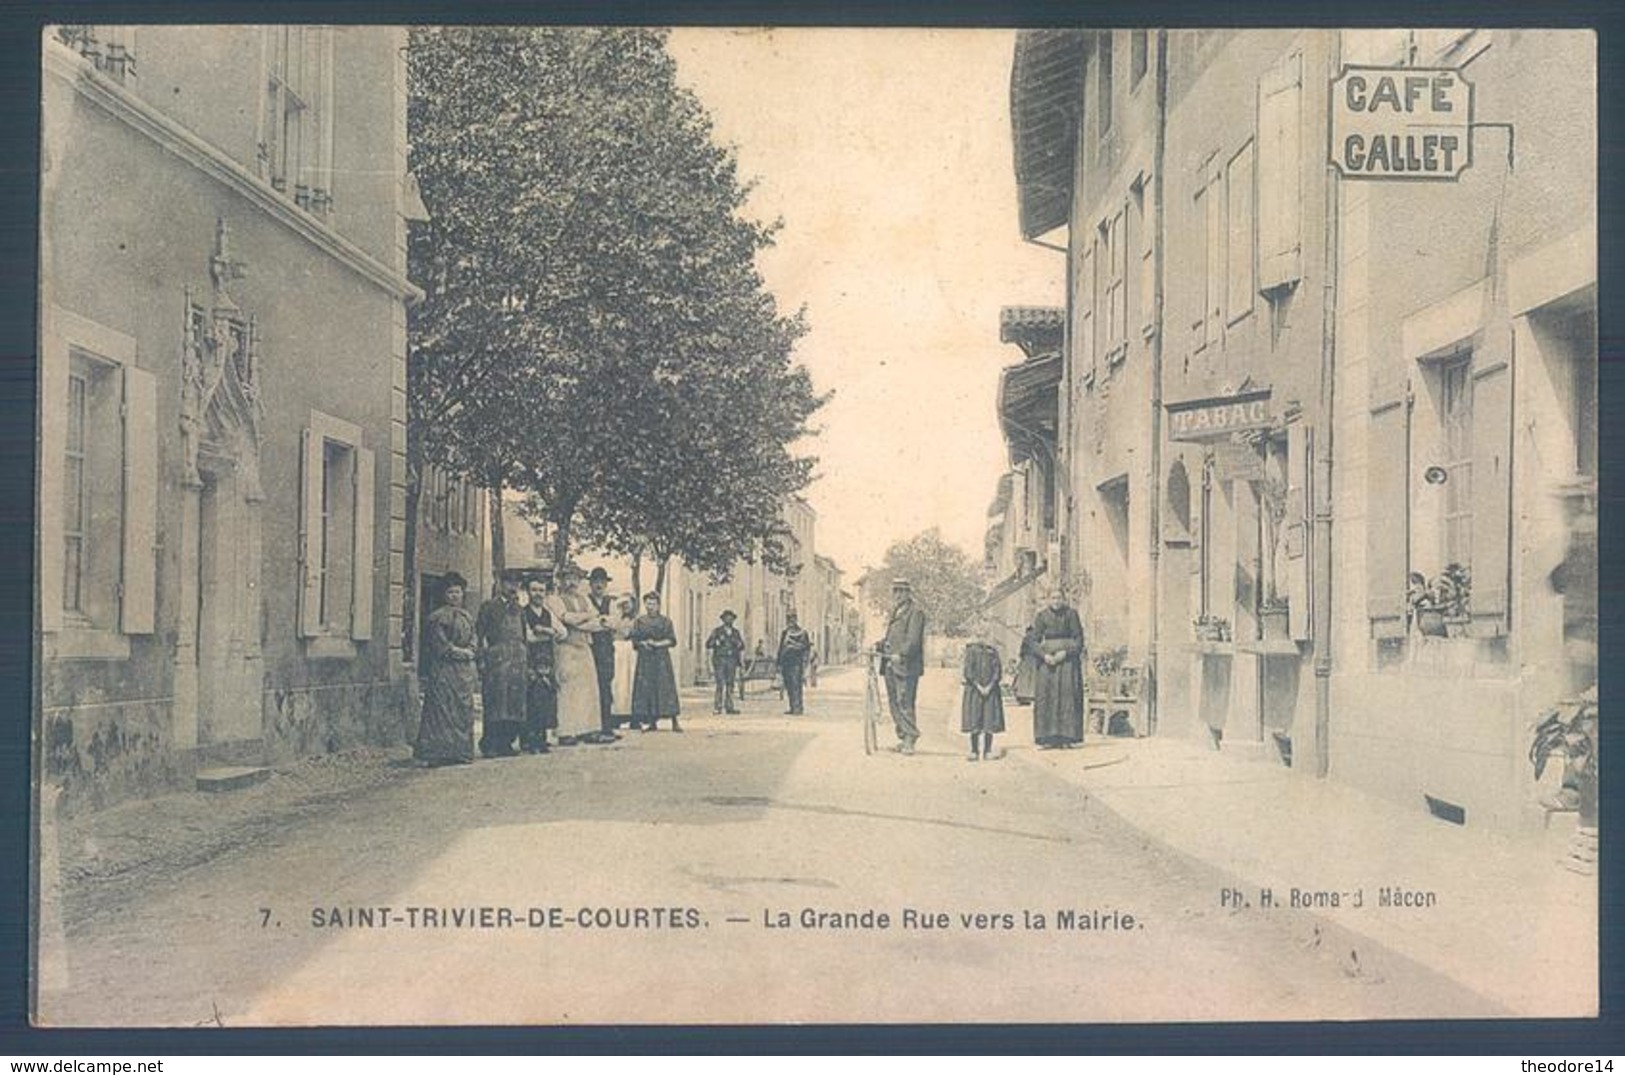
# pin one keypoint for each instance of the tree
(593, 303)
(947, 583)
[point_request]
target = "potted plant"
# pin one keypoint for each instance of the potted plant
(1570, 729)
(1273, 618)
(1210, 628)
(1453, 589)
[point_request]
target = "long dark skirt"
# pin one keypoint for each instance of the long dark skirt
(446, 733)
(1058, 704)
(978, 714)
(654, 686)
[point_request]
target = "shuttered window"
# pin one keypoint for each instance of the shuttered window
(336, 531)
(98, 484)
(1238, 186)
(1491, 498)
(1280, 158)
(1388, 518)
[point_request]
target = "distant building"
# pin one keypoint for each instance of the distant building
(223, 376)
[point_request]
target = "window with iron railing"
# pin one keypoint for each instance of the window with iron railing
(110, 49)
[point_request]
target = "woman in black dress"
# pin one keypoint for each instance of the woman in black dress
(654, 685)
(446, 733)
(1058, 693)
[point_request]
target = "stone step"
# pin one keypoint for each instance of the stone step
(231, 777)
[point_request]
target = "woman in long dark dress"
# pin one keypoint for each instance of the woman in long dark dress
(1058, 692)
(446, 733)
(981, 709)
(1027, 668)
(654, 685)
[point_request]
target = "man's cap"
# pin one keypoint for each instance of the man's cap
(790, 615)
(598, 575)
(728, 614)
(901, 584)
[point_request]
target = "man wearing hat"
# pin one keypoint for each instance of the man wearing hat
(603, 647)
(904, 650)
(726, 647)
(500, 653)
(794, 645)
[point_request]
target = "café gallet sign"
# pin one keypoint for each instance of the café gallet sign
(1401, 123)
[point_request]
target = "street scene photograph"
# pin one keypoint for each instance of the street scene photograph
(611, 526)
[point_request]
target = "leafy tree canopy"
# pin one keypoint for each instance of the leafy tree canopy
(946, 580)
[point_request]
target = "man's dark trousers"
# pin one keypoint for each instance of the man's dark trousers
(724, 672)
(901, 691)
(794, 673)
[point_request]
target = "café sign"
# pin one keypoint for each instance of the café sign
(1401, 123)
(1220, 416)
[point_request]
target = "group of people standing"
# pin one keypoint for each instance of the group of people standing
(565, 667)
(1052, 659)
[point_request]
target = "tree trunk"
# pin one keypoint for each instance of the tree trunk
(499, 550)
(660, 576)
(637, 577)
(560, 518)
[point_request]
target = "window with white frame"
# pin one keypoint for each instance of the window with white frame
(1113, 247)
(1455, 409)
(98, 487)
(336, 531)
(296, 116)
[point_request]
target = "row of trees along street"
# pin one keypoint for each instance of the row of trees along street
(595, 334)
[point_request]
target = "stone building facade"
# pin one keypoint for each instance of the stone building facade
(223, 349)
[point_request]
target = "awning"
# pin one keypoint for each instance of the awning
(1029, 406)
(1018, 579)
(1046, 97)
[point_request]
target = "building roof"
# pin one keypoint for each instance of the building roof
(1035, 329)
(1046, 100)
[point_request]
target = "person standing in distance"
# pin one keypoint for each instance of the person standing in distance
(603, 649)
(726, 647)
(904, 651)
(794, 645)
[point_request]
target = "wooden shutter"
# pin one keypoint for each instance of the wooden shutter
(1280, 210)
(1295, 526)
(138, 596)
(362, 560)
(1492, 499)
(310, 533)
(1238, 186)
(1213, 310)
(52, 458)
(1387, 520)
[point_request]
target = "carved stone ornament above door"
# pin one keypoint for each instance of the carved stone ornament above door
(221, 410)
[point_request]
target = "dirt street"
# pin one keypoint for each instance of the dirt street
(757, 868)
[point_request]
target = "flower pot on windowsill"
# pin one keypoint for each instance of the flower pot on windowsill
(1430, 623)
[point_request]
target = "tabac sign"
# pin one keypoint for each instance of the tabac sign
(1401, 123)
(1220, 416)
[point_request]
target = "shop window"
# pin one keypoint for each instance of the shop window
(336, 532)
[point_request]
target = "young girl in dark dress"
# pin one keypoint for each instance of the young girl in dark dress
(981, 710)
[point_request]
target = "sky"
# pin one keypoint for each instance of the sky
(887, 155)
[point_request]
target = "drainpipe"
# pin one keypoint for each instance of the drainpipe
(1321, 627)
(1158, 155)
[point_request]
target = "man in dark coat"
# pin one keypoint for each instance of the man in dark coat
(794, 645)
(904, 649)
(726, 647)
(603, 648)
(500, 652)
